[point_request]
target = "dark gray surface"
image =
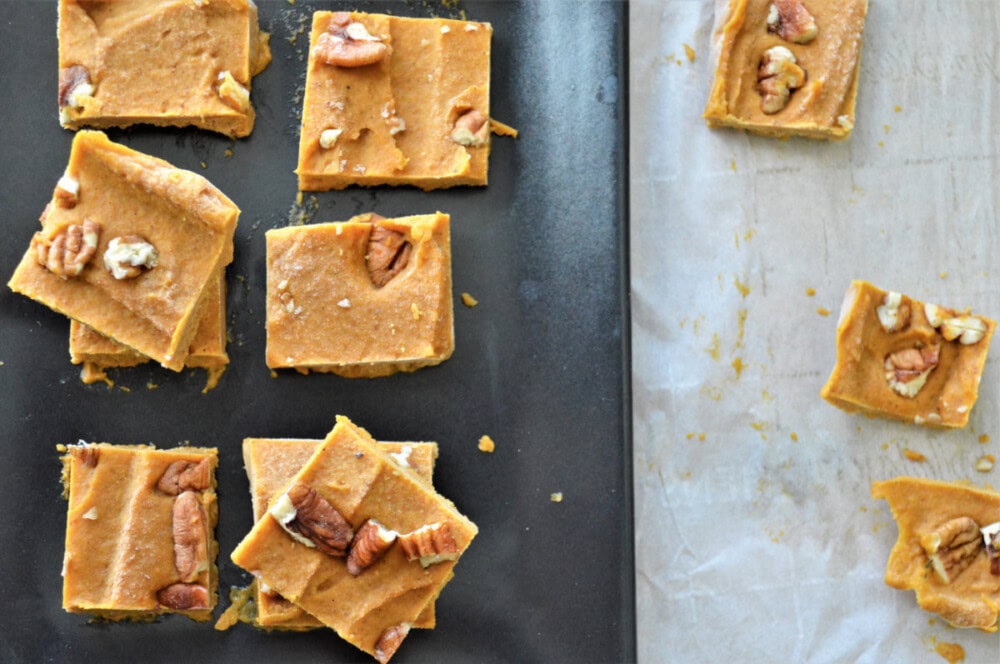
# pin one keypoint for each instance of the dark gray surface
(541, 364)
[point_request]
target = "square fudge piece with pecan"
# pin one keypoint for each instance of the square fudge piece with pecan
(160, 62)
(907, 360)
(358, 541)
(140, 531)
(362, 298)
(786, 67)
(97, 353)
(948, 549)
(393, 100)
(271, 463)
(129, 246)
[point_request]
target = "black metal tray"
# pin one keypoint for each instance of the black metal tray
(541, 364)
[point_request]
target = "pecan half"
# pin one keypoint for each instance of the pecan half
(777, 76)
(952, 547)
(388, 254)
(190, 536)
(347, 43)
(68, 251)
(129, 256)
(432, 544)
(907, 370)
(183, 476)
(370, 543)
(894, 312)
(309, 518)
(390, 641)
(74, 83)
(472, 129)
(183, 596)
(790, 20)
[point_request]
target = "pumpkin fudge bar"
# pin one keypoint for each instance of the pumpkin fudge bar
(97, 353)
(139, 531)
(948, 549)
(786, 67)
(362, 298)
(907, 360)
(271, 463)
(329, 542)
(160, 62)
(129, 245)
(393, 100)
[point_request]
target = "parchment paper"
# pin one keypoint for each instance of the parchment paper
(756, 536)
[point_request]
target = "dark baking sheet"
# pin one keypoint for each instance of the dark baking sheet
(541, 364)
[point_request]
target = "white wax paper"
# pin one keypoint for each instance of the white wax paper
(756, 536)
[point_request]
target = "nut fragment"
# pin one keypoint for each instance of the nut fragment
(777, 76)
(906, 370)
(88, 455)
(390, 641)
(183, 476)
(790, 20)
(129, 256)
(312, 520)
(472, 129)
(952, 547)
(894, 312)
(233, 93)
(183, 596)
(190, 536)
(67, 192)
(432, 544)
(937, 315)
(347, 43)
(328, 137)
(74, 85)
(967, 329)
(370, 543)
(991, 538)
(67, 252)
(388, 254)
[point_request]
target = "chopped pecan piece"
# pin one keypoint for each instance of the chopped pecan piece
(432, 544)
(967, 329)
(991, 538)
(74, 83)
(310, 519)
(69, 250)
(87, 454)
(388, 254)
(390, 641)
(952, 547)
(894, 312)
(129, 256)
(370, 543)
(472, 129)
(777, 76)
(190, 536)
(907, 370)
(67, 193)
(183, 476)
(790, 20)
(183, 596)
(347, 43)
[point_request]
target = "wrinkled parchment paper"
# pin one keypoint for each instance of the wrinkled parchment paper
(756, 536)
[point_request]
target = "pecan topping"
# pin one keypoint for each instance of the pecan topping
(967, 329)
(183, 476)
(790, 20)
(431, 544)
(907, 370)
(67, 193)
(894, 312)
(389, 642)
(183, 596)
(309, 518)
(74, 83)
(991, 537)
(777, 76)
(69, 251)
(87, 454)
(472, 129)
(129, 256)
(347, 43)
(388, 254)
(190, 536)
(370, 543)
(952, 547)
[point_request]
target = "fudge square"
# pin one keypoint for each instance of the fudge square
(352, 500)
(948, 549)
(907, 360)
(97, 353)
(140, 531)
(786, 67)
(393, 100)
(160, 62)
(271, 463)
(129, 245)
(362, 298)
